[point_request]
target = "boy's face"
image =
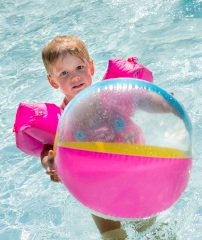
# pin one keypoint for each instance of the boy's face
(71, 75)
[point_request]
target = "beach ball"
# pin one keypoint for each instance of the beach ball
(123, 149)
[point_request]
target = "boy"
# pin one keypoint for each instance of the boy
(70, 68)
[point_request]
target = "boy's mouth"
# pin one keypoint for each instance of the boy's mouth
(78, 86)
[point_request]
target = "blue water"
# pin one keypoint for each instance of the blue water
(164, 35)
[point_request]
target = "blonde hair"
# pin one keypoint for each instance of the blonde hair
(61, 46)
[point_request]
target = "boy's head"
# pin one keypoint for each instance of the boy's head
(60, 46)
(68, 64)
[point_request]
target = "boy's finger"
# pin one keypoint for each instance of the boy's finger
(50, 172)
(55, 178)
(51, 156)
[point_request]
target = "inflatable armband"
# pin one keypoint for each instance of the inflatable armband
(120, 101)
(35, 125)
(129, 68)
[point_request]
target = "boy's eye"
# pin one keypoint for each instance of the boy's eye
(64, 73)
(79, 67)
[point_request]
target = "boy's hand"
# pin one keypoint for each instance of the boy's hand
(48, 163)
(50, 169)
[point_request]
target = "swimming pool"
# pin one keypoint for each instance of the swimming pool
(164, 35)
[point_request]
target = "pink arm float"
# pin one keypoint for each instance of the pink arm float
(35, 125)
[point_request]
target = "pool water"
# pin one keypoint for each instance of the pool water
(164, 35)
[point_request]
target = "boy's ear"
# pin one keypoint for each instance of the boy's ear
(52, 82)
(92, 70)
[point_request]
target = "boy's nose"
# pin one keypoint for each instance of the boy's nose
(75, 77)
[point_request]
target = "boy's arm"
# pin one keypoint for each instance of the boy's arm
(47, 161)
(156, 104)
